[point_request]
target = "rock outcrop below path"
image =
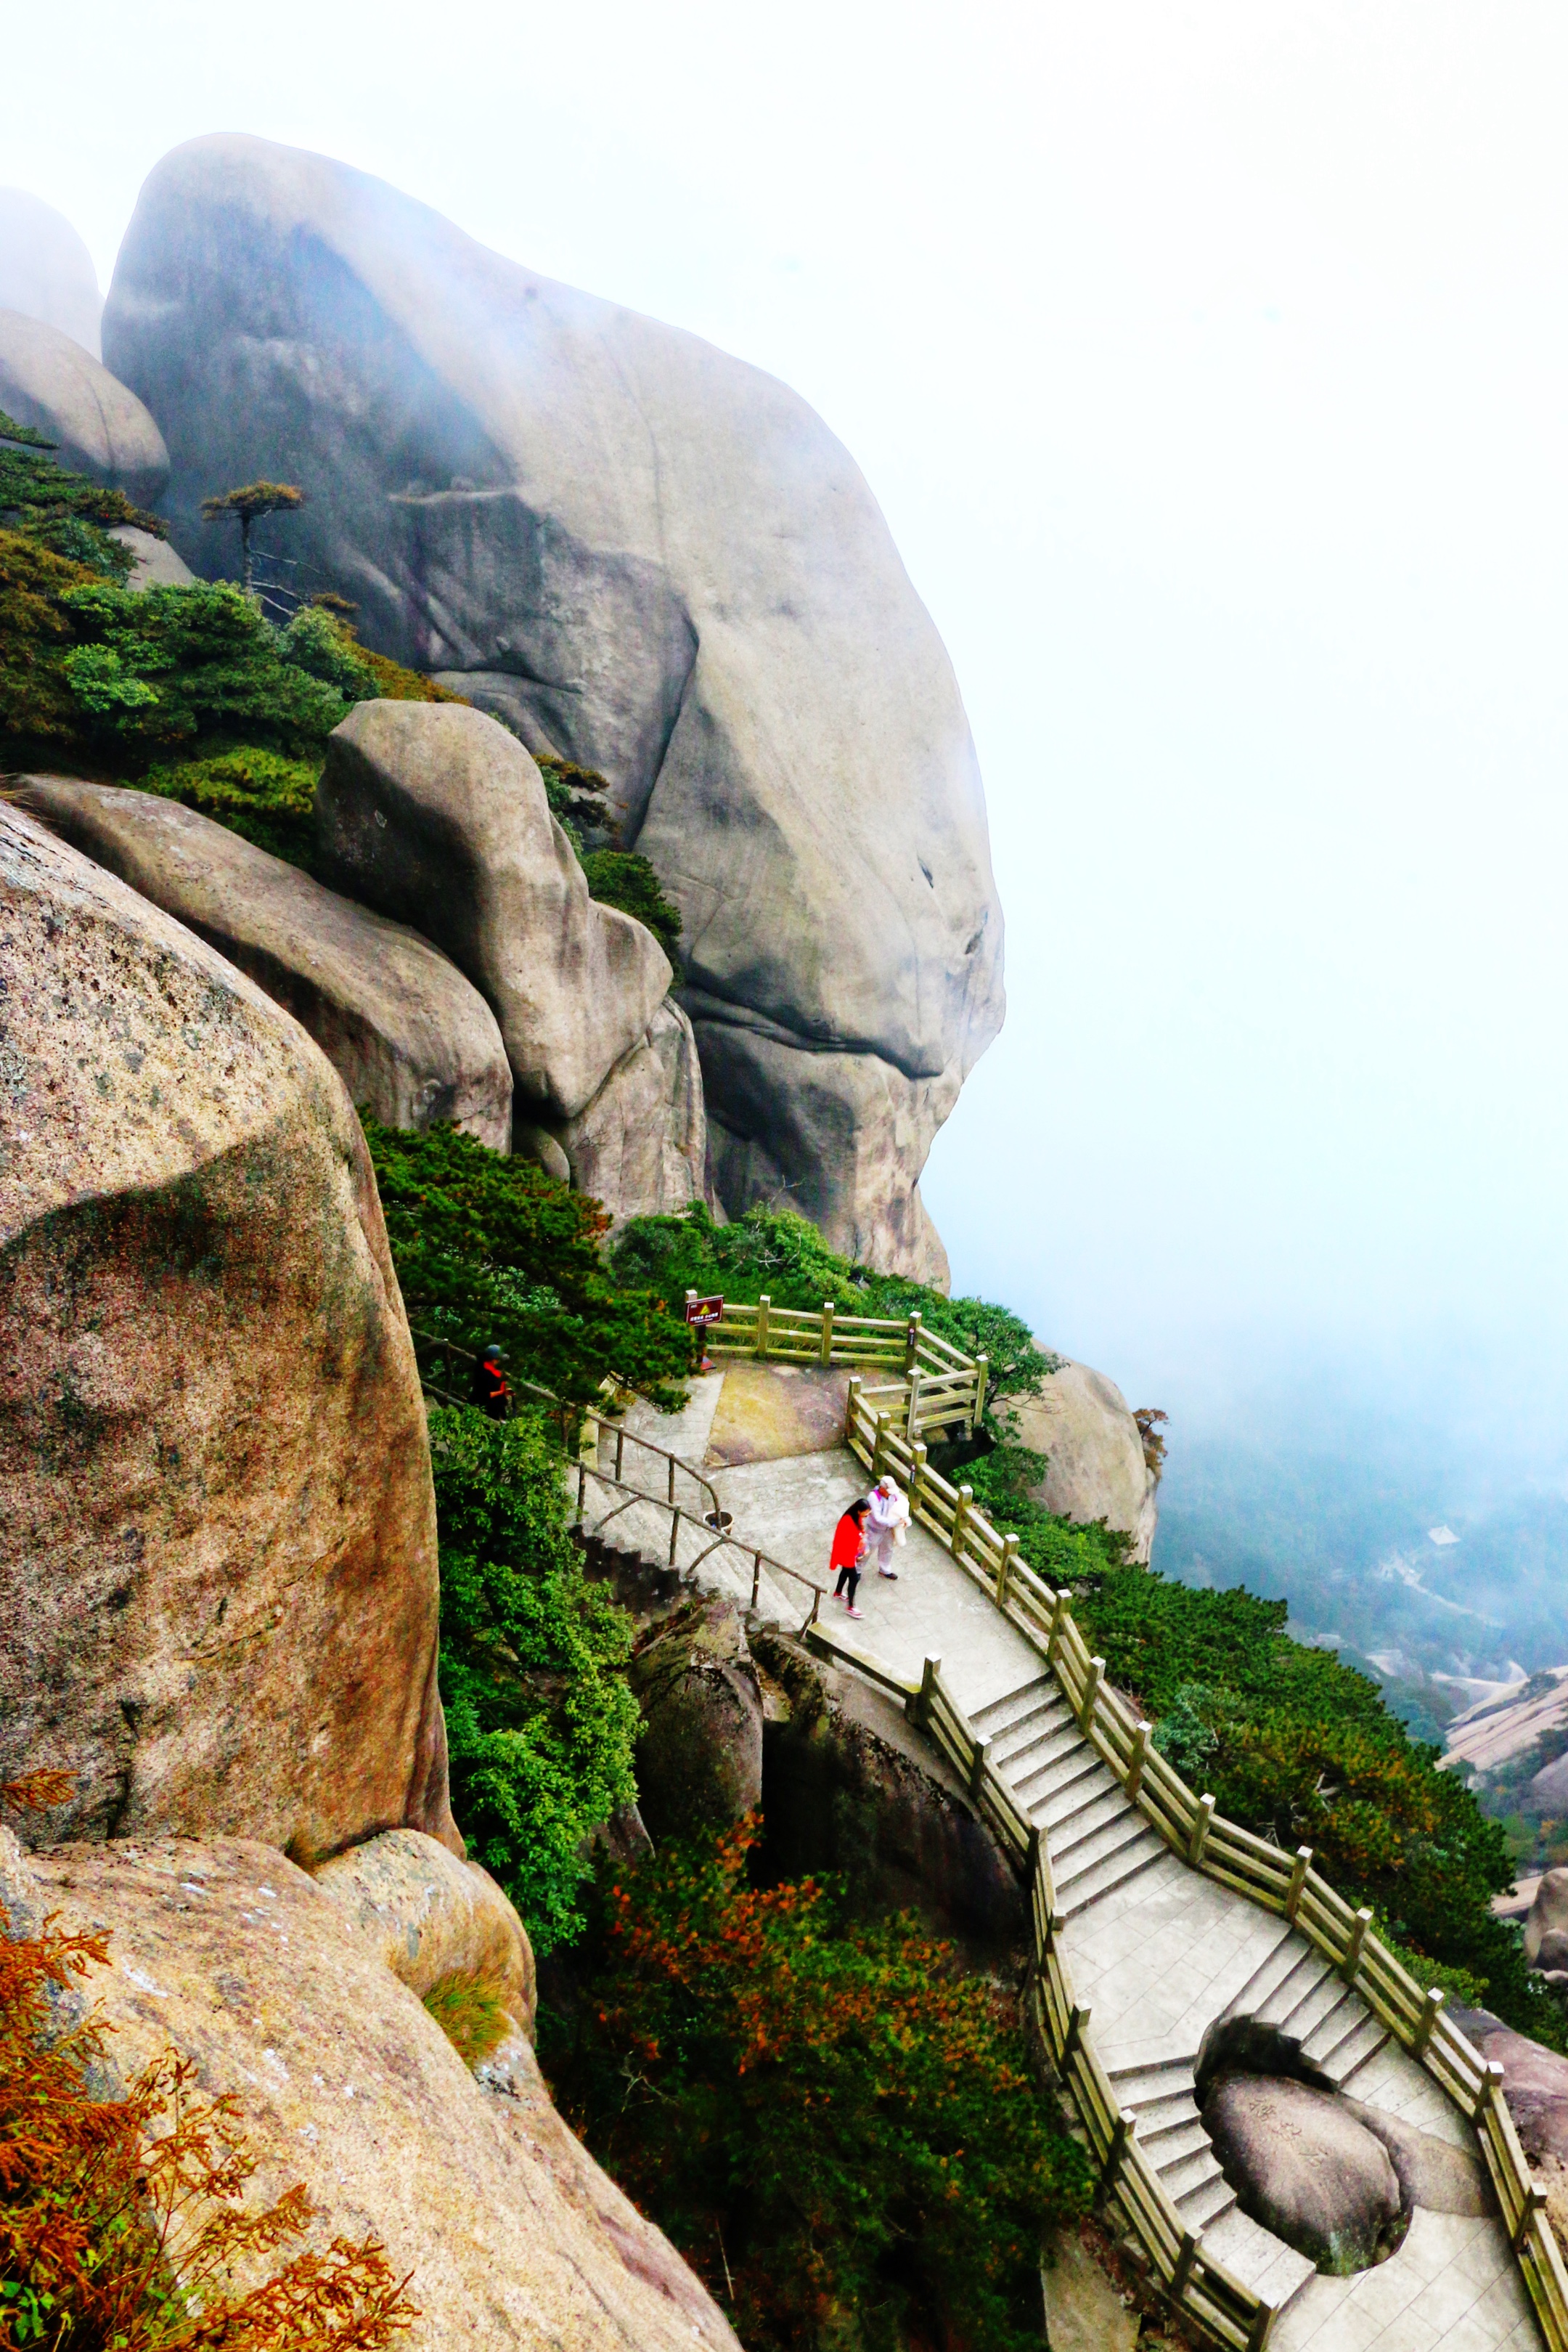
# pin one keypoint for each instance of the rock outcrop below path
(653, 558)
(218, 1592)
(302, 1998)
(1096, 1468)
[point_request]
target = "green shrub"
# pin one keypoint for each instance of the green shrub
(471, 2013)
(63, 512)
(619, 877)
(1057, 1548)
(540, 1722)
(835, 2125)
(264, 797)
(774, 1250)
(492, 1248)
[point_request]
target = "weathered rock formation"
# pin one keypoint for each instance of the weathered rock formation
(1095, 1453)
(699, 1755)
(155, 564)
(429, 1917)
(217, 1529)
(1546, 1927)
(50, 381)
(301, 1999)
(438, 816)
(655, 558)
(849, 1787)
(408, 1035)
(45, 270)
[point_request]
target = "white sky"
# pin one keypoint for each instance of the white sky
(1210, 365)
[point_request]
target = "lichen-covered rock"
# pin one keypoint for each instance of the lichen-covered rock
(436, 816)
(45, 269)
(656, 559)
(699, 1754)
(851, 1788)
(218, 1592)
(225, 1952)
(101, 429)
(1094, 1452)
(1302, 2165)
(409, 1037)
(429, 1916)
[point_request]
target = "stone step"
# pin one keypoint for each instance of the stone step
(1069, 1816)
(1139, 2079)
(1105, 1877)
(1314, 2006)
(1273, 2271)
(1049, 1714)
(1061, 1755)
(1157, 2116)
(997, 1714)
(1269, 1973)
(1201, 2207)
(1358, 2036)
(1187, 2174)
(1074, 1849)
(1306, 1971)
(1170, 2144)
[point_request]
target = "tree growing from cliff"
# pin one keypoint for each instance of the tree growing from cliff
(247, 506)
(829, 2120)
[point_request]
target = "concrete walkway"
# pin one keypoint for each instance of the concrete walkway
(1156, 1952)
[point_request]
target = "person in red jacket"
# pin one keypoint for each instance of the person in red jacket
(491, 1389)
(848, 1549)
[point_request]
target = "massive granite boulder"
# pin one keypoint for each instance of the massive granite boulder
(408, 1035)
(218, 1593)
(300, 1999)
(98, 428)
(699, 1754)
(45, 270)
(650, 556)
(1096, 1467)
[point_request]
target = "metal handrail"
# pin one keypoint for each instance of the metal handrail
(720, 1537)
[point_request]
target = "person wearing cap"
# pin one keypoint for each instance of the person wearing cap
(491, 1389)
(889, 1516)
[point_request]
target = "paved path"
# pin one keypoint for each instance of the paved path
(1155, 1950)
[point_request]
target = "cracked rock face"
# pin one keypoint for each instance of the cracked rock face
(218, 1593)
(657, 561)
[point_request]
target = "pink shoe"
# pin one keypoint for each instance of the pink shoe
(853, 1611)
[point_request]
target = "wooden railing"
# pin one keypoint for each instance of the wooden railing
(1285, 1883)
(937, 1387)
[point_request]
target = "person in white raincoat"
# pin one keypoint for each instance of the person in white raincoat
(885, 1526)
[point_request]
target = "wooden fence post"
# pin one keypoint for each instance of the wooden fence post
(1199, 1838)
(581, 1489)
(917, 1476)
(852, 1407)
(920, 1710)
(1136, 1763)
(960, 1521)
(1092, 1683)
(1005, 1570)
(914, 1406)
(827, 1331)
(876, 1451)
(978, 1766)
(1184, 2262)
(1057, 1623)
(675, 1535)
(978, 1403)
(1262, 2321)
(911, 1339)
(1491, 2088)
(1352, 1961)
(1077, 2027)
(1426, 2024)
(1534, 2203)
(1124, 2128)
(763, 1304)
(1298, 1870)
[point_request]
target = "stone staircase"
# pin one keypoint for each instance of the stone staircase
(1097, 1840)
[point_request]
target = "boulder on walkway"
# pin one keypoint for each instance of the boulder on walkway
(101, 429)
(437, 816)
(653, 557)
(408, 1035)
(1302, 2165)
(218, 1596)
(298, 2008)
